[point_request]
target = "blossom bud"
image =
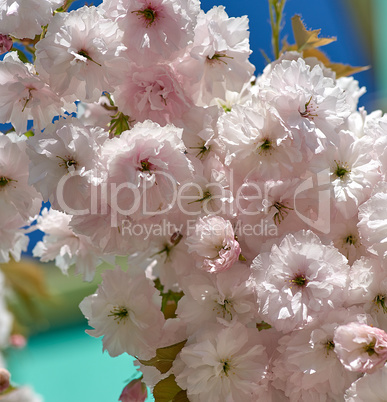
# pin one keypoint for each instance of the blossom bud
(18, 341)
(5, 43)
(135, 391)
(4, 379)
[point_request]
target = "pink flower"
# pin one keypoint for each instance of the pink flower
(18, 341)
(135, 391)
(153, 29)
(217, 60)
(213, 244)
(152, 93)
(361, 347)
(125, 310)
(4, 379)
(149, 161)
(24, 19)
(80, 56)
(5, 43)
(24, 95)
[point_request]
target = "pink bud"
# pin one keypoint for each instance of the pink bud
(18, 341)
(5, 43)
(135, 391)
(4, 379)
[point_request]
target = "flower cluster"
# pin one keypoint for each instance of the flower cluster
(251, 211)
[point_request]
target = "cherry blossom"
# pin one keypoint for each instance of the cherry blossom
(80, 54)
(125, 310)
(213, 244)
(24, 95)
(361, 347)
(24, 19)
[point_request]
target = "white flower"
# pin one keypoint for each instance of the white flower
(300, 279)
(24, 19)
(209, 193)
(153, 93)
(376, 129)
(370, 387)
(346, 237)
(61, 244)
(222, 363)
(368, 288)
(22, 394)
(354, 172)
(24, 95)
(13, 238)
(149, 162)
(200, 133)
(217, 60)
(97, 113)
(361, 347)
(153, 29)
(80, 54)
(227, 295)
(352, 90)
(63, 159)
(105, 229)
(125, 310)
(312, 105)
(256, 138)
(373, 221)
(307, 368)
(213, 244)
(16, 196)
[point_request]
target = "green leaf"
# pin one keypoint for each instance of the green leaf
(263, 325)
(166, 390)
(343, 70)
(181, 397)
(22, 56)
(241, 257)
(164, 357)
(120, 123)
(29, 133)
(307, 39)
(8, 390)
(169, 300)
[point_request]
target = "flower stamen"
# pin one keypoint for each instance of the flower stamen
(218, 57)
(341, 169)
(329, 345)
(226, 366)
(206, 196)
(380, 300)
(310, 109)
(4, 181)
(370, 348)
(148, 14)
(68, 163)
(28, 98)
(282, 212)
(119, 313)
(300, 280)
(84, 53)
(202, 150)
(351, 239)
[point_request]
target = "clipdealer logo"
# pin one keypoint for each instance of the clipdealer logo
(104, 200)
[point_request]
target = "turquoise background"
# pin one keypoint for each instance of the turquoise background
(68, 365)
